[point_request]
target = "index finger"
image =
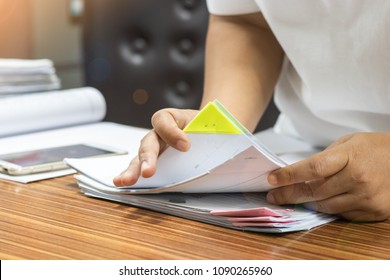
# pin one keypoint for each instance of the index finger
(318, 166)
(168, 124)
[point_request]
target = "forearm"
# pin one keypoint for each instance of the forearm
(243, 62)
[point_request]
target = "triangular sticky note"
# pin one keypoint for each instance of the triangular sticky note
(212, 120)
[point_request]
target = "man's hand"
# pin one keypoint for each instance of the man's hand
(350, 178)
(167, 130)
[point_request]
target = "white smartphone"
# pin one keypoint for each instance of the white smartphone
(50, 159)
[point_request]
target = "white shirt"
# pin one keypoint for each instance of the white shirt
(336, 79)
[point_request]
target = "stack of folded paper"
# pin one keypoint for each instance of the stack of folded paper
(242, 211)
(23, 76)
(221, 180)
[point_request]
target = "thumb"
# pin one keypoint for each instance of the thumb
(318, 166)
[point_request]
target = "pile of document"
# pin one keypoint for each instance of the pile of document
(221, 180)
(24, 76)
(242, 211)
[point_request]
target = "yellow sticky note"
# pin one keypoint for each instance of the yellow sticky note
(212, 120)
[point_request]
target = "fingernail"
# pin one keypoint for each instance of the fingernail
(270, 198)
(120, 176)
(272, 179)
(145, 165)
(117, 178)
(182, 145)
(123, 175)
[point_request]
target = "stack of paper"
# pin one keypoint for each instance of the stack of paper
(222, 209)
(220, 180)
(22, 76)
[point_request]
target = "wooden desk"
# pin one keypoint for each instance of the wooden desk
(52, 220)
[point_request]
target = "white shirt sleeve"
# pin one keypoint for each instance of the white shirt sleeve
(232, 7)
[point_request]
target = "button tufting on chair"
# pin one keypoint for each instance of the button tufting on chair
(150, 55)
(145, 55)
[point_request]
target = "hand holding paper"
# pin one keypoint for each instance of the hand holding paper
(215, 136)
(168, 131)
(217, 180)
(224, 157)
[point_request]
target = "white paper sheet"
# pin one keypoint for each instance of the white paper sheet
(26, 66)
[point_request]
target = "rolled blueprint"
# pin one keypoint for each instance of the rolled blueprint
(47, 110)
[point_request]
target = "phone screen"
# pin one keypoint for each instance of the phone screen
(50, 155)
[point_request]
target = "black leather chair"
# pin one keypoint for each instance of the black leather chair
(144, 55)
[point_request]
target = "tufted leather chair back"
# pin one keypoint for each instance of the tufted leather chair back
(145, 55)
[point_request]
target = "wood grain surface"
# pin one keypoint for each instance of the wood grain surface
(51, 219)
